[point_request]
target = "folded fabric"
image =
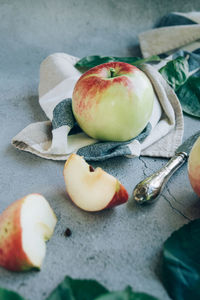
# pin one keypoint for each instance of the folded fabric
(176, 31)
(60, 136)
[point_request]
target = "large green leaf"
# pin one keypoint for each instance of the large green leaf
(89, 62)
(176, 72)
(77, 289)
(181, 263)
(127, 294)
(9, 295)
(189, 96)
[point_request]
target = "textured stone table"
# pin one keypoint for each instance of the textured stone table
(120, 246)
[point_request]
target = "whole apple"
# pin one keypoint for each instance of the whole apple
(113, 101)
(194, 167)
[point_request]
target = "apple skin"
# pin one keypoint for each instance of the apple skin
(120, 196)
(194, 167)
(113, 101)
(92, 189)
(12, 255)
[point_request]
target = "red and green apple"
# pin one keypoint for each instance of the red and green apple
(24, 227)
(92, 189)
(113, 101)
(194, 167)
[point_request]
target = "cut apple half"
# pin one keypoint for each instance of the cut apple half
(92, 189)
(24, 227)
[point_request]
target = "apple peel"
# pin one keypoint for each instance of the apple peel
(194, 167)
(92, 189)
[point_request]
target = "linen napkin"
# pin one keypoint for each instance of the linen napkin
(177, 31)
(60, 136)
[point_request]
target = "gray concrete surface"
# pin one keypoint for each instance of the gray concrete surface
(117, 247)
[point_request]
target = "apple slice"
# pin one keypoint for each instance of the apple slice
(89, 189)
(24, 227)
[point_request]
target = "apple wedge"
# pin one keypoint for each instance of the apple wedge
(24, 227)
(89, 189)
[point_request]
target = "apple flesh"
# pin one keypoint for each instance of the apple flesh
(113, 101)
(194, 167)
(89, 189)
(24, 227)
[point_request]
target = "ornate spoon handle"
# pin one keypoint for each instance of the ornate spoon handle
(149, 189)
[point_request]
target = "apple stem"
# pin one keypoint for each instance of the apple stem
(112, 72)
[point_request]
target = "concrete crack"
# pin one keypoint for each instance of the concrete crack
(169, 192)
(175, 209)
(145, 165)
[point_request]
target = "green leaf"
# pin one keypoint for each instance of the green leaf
(176, 72)
(89, 62)
(127, 294)
(181, 263)
(9, 295)
(77, 289)
(82, 289)
(189, 96)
